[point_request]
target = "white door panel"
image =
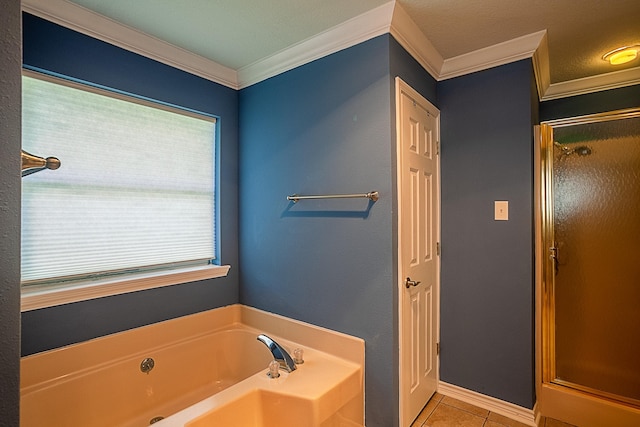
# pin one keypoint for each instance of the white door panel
(418, 192)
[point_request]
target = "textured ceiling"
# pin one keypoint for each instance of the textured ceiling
(579, 32)
(237, 33)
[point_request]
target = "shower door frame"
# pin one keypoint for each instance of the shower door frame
(554, 399)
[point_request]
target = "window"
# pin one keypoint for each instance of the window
(134, 193)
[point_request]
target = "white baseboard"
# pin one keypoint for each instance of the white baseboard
(515, 412)
(539, 420)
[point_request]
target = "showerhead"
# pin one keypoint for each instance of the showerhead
(582, 150)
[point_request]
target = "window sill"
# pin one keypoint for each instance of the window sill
(35, 298)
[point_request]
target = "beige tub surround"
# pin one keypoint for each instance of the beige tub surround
(191, 370)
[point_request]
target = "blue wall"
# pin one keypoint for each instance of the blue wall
(10, 96)
(56, 49)
(327, 128)
(487, 287)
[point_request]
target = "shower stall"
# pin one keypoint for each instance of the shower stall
(589, 269)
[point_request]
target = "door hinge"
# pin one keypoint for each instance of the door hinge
(438, 248)
(437, 148)
(438, 348)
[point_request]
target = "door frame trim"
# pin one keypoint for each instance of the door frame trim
(402, 87)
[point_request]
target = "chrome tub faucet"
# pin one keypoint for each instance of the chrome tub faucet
(280, 355)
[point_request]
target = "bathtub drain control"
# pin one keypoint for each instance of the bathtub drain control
(147, 365)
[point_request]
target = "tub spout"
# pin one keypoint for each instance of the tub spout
(279, 354)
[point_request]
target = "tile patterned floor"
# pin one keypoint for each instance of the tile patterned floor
(444, 411)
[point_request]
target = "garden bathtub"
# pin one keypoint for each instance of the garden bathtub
(200, 363)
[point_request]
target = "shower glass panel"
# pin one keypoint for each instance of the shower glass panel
(596, 285)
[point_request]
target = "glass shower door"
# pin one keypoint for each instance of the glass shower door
(595, 258)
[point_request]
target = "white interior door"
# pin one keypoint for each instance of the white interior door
(418, 236)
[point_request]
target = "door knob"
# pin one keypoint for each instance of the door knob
(409, 282)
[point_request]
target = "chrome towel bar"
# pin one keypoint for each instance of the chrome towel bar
(373, 196)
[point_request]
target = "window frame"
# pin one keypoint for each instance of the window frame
(47, 295)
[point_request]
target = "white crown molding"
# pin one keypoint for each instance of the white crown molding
(613, 80)
(87, 22)
(356, 30)
(407, 33)
(541, 67)
(492, 56)
(515, 412)
(387, 18)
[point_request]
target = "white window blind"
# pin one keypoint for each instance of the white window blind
(135, 189)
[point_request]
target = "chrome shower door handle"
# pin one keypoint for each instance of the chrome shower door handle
(553, 254)
(408, 283)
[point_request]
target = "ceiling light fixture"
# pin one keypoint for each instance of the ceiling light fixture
(622, 55)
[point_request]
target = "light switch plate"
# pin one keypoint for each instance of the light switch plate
(501, 210)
